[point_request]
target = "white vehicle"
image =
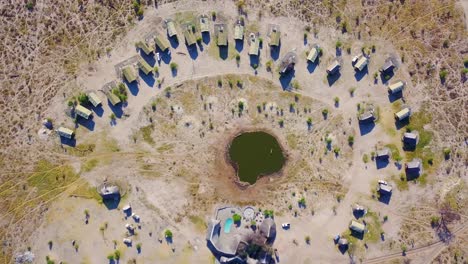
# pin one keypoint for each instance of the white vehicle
(129, 227)
(286, 225)
(158, 57)
(127, 241)
(383, 182)
(126, 208)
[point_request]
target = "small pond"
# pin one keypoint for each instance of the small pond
(255, 154)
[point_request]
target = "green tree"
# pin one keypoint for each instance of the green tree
(168, 234)
(236, 218)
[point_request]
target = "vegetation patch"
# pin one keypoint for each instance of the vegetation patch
(146, 134)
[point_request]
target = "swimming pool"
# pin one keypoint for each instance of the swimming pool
(227, 225)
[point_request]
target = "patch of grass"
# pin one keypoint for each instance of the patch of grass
(89, 165)
(82, 149)
(374, 227)
(292, 140)
(165, 147)
(198, 222)
(401, 182)
(50, 179)
(146, 134)
(395, 152)
(88, 192)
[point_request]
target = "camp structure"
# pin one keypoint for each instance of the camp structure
(204, 24)
(65, 132)
(109, 191)
(396, 87)
(161, 43)
(388, 66)
(361, 63)
(239, 31)
(357, 227)
(410, 138)
(171, 29)
(129, 74)
(385, 189)
(83, 111)
(275, 36)
(334, 67)
(107, 88)
(188, 35)
(144, 66)
(413, 167)
(147, 49)
(313, 54)
(288, 62)
(403, 113)
(367, 116)
(94, 99)
(221, 37)
(383, 154)
(254, 45)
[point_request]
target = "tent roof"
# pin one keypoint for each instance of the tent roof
(129, 74)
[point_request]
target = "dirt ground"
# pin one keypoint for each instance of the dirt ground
(172, 139)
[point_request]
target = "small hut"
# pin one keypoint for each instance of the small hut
(94, 99)
(254, 45)
(83, 111)
(403, 114)
(239, 31)
(396, 87)
(334, 67)
(313, 54)
(65, 132)
(171, 29)
(275, 37)
(109, 191)
(129, 74)
(161, 43)
(383, 154)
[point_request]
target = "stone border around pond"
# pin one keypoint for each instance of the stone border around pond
(250, 129)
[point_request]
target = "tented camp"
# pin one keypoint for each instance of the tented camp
(94, 99)
(113, 99)
(83, 111)
(189, 36)
(171, 29)
(313, 54)
(204, 24)
(65, 132)
(411, 138)
(403, 113)
(288, 62)
(388, 66)
(357, 227)
(361, 63)
(254, 45)
(385, 189)
(222, 36)
(147, 49)
(414, 167)
(129, 74)
(144, 66)
(396, 87)
(334, 67)
(161, 43)
(239, 31)
(383, 154)
(367, 116)
(275, 37)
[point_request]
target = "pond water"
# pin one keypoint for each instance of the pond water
(256, 154)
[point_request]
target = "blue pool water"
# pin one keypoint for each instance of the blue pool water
(227, 225)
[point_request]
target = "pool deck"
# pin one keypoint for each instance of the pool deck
(225, 244)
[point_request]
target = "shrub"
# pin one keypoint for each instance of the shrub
(338, 44)
(307, 28)
(173, 66)
(446, 43)
(435, 221)
(268, 213)
(241, 106)
(117, 254)
(268, 65)
(365, 158)
(305, 35)
(447, 153)
(281, 123)
(351, 140)
(156, 69)
(168, 234)
(352, 90)
(307, 239)
(309, 121)
(138, 246)
(213, 15)
(443, 74)
(336, 150)
(302, 202)
(83, 99)
(465, 62)
(328, 140)
(112, 116)
(237, 57)
(110, 257)
(325, 112)
(30, 5)
(236, 218)
(220, 82)
(337, 100)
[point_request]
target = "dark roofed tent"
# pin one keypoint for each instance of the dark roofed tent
(388, 66)
(113, 99)
(411, 138)
(383, 153)
(367, 117)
